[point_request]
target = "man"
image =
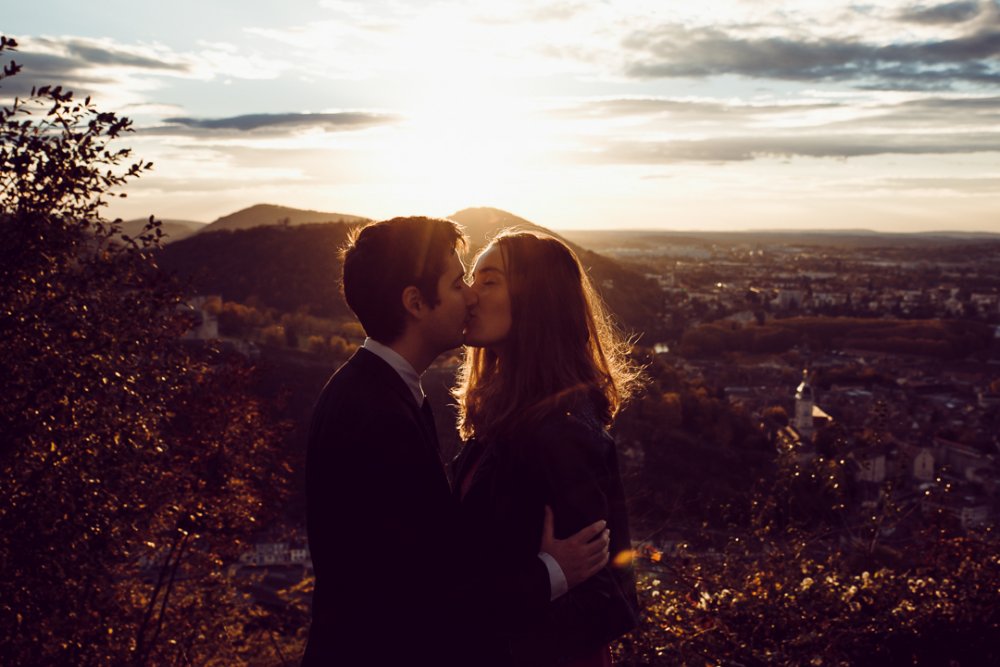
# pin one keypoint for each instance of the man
(389, 565)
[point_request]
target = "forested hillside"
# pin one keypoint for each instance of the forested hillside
(297, 269)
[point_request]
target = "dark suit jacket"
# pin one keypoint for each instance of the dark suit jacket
(567, 461)
(382, 525)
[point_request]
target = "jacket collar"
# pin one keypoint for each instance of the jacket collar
(398, 364)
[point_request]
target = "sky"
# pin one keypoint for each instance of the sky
(623, 114)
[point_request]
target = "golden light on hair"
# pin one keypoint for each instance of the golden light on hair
(564, 348)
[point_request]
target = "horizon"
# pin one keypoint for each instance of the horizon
(624, 230)
(739, 116)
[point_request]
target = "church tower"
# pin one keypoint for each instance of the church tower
(804, 402)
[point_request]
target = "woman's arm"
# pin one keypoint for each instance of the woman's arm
(577, 466)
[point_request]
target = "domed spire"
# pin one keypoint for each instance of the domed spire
(804, 406)
(804, 390)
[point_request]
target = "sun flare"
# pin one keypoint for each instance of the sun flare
(460, 149)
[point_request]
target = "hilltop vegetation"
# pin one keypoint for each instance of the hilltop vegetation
(290, 269)
(297, 269)
(262, 215)
(132, 466)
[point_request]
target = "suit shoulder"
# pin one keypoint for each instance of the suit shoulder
(355, 383)
(357, 400)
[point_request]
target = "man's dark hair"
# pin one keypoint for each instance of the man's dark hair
(384, 258)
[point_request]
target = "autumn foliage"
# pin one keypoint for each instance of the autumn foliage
(132, 467)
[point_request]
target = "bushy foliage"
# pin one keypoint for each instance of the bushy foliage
(785, 598)
(131, 466)
(797, 584)
(692, 454)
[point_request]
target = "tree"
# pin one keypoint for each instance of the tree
(123, 453)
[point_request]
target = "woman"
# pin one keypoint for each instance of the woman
(543, 377)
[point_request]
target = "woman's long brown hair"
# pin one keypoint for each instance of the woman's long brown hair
(563, 346)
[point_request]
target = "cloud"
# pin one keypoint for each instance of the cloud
(70, 59)
(117, 74)
(950, 12)
(943, 112)
(986, 185)
(748, 147)
(281, 123)
(736, 131)
(701, 111)
(87, 53)
(653, 130)
(515, 13)
(675, 50)
(122, 74)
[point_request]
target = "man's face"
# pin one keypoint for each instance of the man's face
(445, 325)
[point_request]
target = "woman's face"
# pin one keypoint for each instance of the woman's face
(490, 322)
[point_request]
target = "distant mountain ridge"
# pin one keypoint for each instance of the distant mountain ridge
(261, 215)
(481, 223)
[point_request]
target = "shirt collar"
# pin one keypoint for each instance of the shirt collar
(399, 364)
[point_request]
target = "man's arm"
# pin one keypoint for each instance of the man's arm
(575, 559)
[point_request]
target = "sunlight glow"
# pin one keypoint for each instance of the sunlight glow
(465, 140)
(631, 113)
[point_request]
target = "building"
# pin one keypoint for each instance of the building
(276, 553)
(206, 323)
(804, 403)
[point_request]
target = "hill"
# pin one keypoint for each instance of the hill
(296, 268)
(287, 268)
(634, 299)
(261, 215)
(481, 224)
(174, 230)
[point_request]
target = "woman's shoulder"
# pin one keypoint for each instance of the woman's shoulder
(579, 416)
(572, 431)
(581, 421)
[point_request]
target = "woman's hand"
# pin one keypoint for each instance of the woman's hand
(580, 556)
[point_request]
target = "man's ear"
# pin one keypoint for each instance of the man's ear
(413, 302)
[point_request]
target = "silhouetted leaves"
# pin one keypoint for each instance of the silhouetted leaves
(131, 465)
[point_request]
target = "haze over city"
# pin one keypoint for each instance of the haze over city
(624, 114)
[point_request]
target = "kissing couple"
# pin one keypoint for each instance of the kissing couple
(521, 555)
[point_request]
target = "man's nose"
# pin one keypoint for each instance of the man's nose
(471, 296)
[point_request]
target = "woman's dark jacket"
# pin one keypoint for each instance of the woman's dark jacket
(567, 461)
